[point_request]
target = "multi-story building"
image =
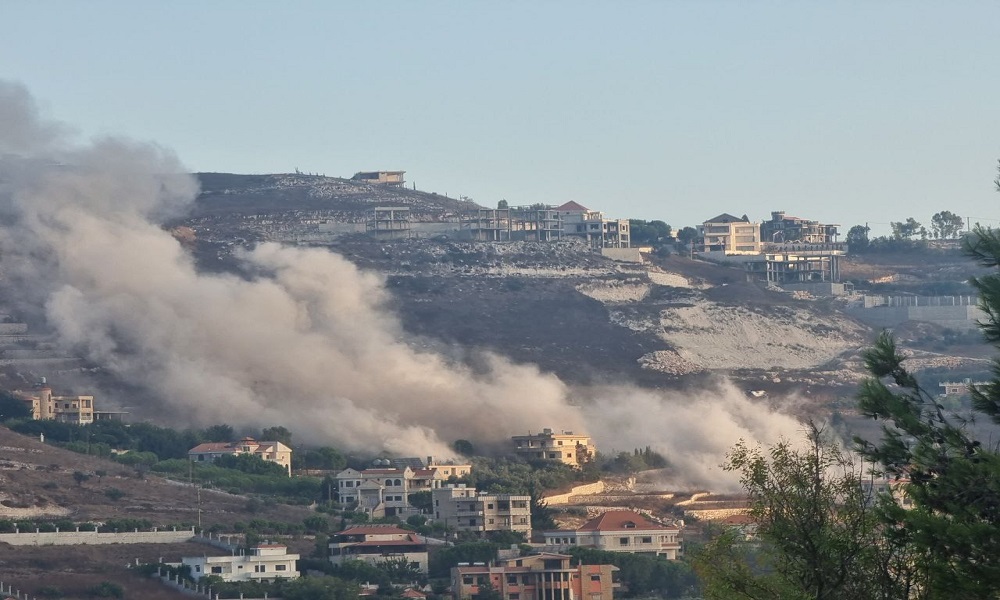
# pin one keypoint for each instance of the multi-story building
(375, 544)
(566, 447)
(619, 531)
(266, 562)
(536, 577)
(385, 492)
(537, 222)
(580, 221)
(487, 224)
(461, 508)
(78, 410)
(784, 229)
(275, 452)
(388, 222)
(447, 469)
(730, 235)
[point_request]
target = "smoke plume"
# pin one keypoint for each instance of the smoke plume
(306, 341)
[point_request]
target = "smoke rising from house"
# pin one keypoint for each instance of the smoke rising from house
(306, 341)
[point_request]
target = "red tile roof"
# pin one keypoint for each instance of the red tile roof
(372, 530)
(573, 207)
(412, 593)
(212, 447)
(620, 520)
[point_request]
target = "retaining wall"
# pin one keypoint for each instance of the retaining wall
(589, 488)
(72, 538)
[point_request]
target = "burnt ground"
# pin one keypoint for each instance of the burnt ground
(37, 477)
(540, 321)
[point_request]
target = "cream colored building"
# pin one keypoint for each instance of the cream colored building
(461, 508)
(44, 406)
(566, 447)
(730, 235)
(619, 531)
(385, 492)
(390, 178)
(375, 544)
(275, 452)
(266, 562)
(580, 221)
(542, 576)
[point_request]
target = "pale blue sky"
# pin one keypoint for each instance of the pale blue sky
(839, 111)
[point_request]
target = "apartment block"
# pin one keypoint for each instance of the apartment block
(730, 235)
(384, 491)
(462, 508)
(536, 577)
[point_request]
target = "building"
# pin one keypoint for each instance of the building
(375, 544)
(388, 222)
(803, 264)
(266, 562)
(619, 531)
(959, 388)
(461, 508)
(536, 223)
(785, 229)
(536, 577)
(566, 447)
(275, 452)
(580, 221)
(487, 224)
(730, 235)
(389, 178)
(44, 406)
(448, 469)
(385, 491)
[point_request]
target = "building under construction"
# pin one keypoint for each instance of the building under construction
(487, 224)
(388, 222)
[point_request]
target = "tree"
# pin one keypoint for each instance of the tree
(277, 434)
(220, 433)
(12, 407)
(463, 447)
(946, 224)
(687, 235)
(818, 534)
(905, 230)
(953, 526)
(648, 232)
(80, 477)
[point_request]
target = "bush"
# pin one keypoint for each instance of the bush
(114, 494)
(107, 589)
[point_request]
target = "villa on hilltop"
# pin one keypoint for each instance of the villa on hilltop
(275, 452)
(567, 447)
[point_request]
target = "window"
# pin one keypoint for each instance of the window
(512, 580)
(647, 540)
(560, 442)
(491, 521)
(623, 541)
(216, 569)
(472, 522)
(553, 455)
(197, 568)
(280, 567)
(490, 506)
(514, 596)
(260, 568)
(350, 484)
(467, 579)
(595, 577)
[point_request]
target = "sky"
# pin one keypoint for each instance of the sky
(844, 112)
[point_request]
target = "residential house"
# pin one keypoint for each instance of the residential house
(538, 576)
(375, 544)
(730, 235)
(385, 491)
(566, 447)
(959, 388)
(44, 406)
(580, 221)
(461, 508)
(275, 452)
(266, 562)
(619, 531)
(448, 468)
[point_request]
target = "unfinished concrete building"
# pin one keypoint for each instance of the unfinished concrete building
(536, 223)
(785, 229)
(388, 222)
(487, 224)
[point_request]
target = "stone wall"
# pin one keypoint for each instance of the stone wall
(72, 538)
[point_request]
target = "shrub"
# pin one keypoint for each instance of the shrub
(114, 493)
(107, 589)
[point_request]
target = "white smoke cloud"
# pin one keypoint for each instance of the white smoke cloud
(307, 342)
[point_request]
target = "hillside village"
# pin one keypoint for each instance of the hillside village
(548, 512)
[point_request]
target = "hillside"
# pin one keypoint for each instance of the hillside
(36, 480)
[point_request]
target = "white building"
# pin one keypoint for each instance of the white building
(385, 492)
(263, 563)
(375, 544)
(580, 221)
(619, 531)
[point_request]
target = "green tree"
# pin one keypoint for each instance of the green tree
(857, 238)
(946, 224)
(12, 407)
(80, 477)
(220, 433)
(463, 447)
(904, 230)
(277, 434)
(954, 479)
(687, 235)
(818, 535)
